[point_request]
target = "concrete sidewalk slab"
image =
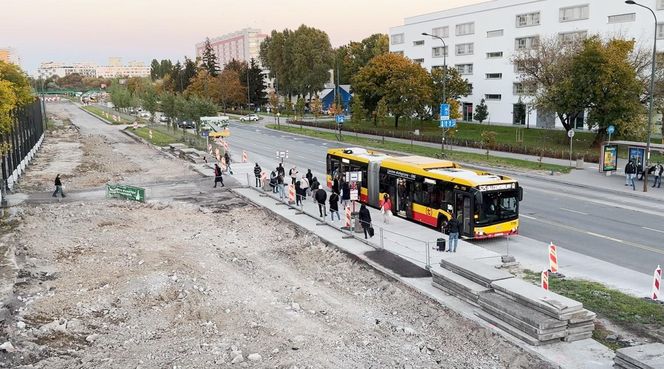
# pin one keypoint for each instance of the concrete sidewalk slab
(547, 302)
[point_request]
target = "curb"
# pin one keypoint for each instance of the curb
(95, 115)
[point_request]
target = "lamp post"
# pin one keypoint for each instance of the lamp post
(652, 93)
(442, 141)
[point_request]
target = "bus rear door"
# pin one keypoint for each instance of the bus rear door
(463, 211)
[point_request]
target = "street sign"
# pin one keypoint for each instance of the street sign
(353, 176)
(610, 129)
(448, 123)
(282, 154)
(570, 133)
(444, 112)
(340, 119)
(205, 133)
(125, 192)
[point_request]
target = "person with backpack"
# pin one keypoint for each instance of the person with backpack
(257, 174)
(365, 221)
(453, 229)
(293, 174)
(334, 206)
(321, 195)
(273, 181)
(217, 176)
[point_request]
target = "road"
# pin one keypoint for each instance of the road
(625, 232)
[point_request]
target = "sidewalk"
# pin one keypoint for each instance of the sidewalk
(414, 246)
(589, 177)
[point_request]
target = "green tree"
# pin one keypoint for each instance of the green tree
(165, 67)
(355, 55)
(481, 112)
(231, 91)
(256, 84)
(149, 99)
(275, 55)
(405, 85)
(120, 96)
(316, 107)
(358, 113)
(197, 107)
(168, 106)
(19, 83)
(155, 70)
(455, 86)
(381, 115)
(209, 59)
(299, 107)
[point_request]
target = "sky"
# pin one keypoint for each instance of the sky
(93, 30)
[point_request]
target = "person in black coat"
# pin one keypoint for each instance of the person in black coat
(320, 197)
(345, 193)
(334, 206)
(58, 187)
(257, 174)
(281, 171)
(365, 219)
(309, 175)
(298, 194)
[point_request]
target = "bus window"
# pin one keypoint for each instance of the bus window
(384, 183)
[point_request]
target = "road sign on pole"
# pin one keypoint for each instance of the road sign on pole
(610, 129)
(340, 119)
(448, 123)
(444, 112)
(570, 134)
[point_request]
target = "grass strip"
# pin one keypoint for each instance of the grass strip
(100, 113)
(470, 158)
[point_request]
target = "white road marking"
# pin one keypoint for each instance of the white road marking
(605, 237)
(527, 216)
(652, 229)
(574, 211)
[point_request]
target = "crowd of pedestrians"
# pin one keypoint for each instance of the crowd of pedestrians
(632, 171)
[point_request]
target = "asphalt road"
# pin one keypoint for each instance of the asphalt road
(623, 231)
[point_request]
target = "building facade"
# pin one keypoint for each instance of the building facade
(114, 69)
(242, 45)
(482, 38)
(51, 69)
(8, 55)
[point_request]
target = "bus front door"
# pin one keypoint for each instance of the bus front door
(463, 211)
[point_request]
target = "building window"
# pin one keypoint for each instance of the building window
(470, 88)
(493, 97)
(495, 33)
(464, 68)
(572, 36)
(441, 31)
(527, 20)
(622, 18)
(573, 13)
(525, 43)
(418, 43)
(439, 51)
(494, 76)
(464, 49)
(520, 88)
(397, 39)
(418, 61)
(494, 55)
(660, 31)
(465, 29)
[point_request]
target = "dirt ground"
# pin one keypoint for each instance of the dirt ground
(206, 281)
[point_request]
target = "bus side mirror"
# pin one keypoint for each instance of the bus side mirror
(520, 194)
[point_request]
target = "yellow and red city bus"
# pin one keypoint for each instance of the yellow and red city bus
(429, 191)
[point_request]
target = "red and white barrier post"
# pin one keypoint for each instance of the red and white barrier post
(244, 156)
(656, 282)
(544, 282)
(553, 258)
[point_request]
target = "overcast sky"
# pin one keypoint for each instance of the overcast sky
(93, 30)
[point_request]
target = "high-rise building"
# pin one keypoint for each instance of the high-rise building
(242, 45)
(8, 55)
(482, 38)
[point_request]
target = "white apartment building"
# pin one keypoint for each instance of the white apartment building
(50, 69)
(114, 69)
(242, 45)
(482, 38)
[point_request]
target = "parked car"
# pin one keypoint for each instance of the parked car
(185, 124)
(250, 118)
(144, 114)
(163, 119)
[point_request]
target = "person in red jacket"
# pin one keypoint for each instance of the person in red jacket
(386, 208)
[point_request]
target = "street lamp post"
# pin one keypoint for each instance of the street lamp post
(652, 93)
(442, 141)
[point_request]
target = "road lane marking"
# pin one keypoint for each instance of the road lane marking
(605, 237)
(652, 229)
(574, 211)
(527, 216)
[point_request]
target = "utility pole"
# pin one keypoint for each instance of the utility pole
(442, 141)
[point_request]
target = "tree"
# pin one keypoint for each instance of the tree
(19, 83)
(405, 85)
(256, 84)
(197, 107)
(209, 59)
(356, 55)
(381, 115)
(73, 81)
(231, 91)
(168, 106)
(299, 107)
(149, 99)
(275, 55)
(155, 70)
(455, 85)
(316, 107)
(165, 68)
(120, 96)
(358, 113)
(273, 100)
(188, 72)
(205, 86)
(481, 112)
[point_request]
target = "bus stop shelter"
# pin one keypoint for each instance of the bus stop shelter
(635, 151)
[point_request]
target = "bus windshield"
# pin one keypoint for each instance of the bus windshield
(497, 207)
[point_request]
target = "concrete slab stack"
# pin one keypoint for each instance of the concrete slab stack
(474, 270)
(456, 285)
(650, 356)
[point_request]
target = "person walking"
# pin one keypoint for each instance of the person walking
(58, 187)
(314, 186)
(345, 194)
(659, 171)
(280, 185)
(321, 196)
(293, 174)
(365, 220)
(257, 174)
(273, 181)
(280, 170)
(386, 208)
(630, 173)
(304, 185)
(217, 176)
(453, 229)
(298, 194)
(334, 206)
(227, 158)
(310, 176)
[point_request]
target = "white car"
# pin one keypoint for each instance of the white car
(144, 114)
(250, 118)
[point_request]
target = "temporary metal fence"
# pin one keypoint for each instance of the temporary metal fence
(21, 143)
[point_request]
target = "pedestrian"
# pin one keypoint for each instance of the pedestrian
(630, 173)
(227, 158)
(58, 187)
(659, 171)
(314, 186)
(298, 194)
(365, 220)
(217, 176)
(273, 181)
(345, 194)
(257, 174)
(453, 229)
(320, 196)
(310, 176)
(335, 184)
(386, 208)
(280, 185)
(334, 206)
(293, 174)
(281, 171)
(304, 185)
